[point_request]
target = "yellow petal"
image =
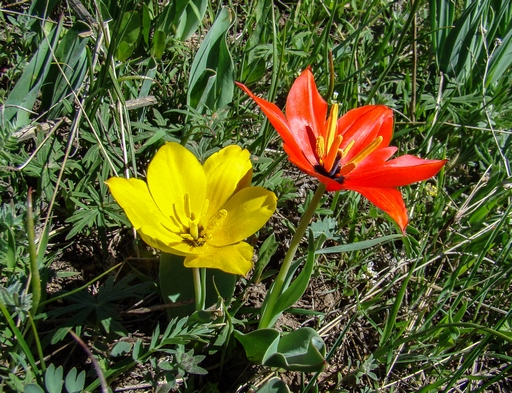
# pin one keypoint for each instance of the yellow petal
(227, 171)
(174, 172)
(247, 211)
(186, 248)
(166, 242)
(234, 259)
(134, 197)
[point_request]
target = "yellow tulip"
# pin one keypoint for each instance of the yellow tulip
(201, 212)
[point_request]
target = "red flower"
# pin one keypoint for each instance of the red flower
(349, 153)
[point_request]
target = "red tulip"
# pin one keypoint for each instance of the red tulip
(349, 153)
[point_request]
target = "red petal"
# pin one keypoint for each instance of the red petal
(388, 199)
(398, 172)
(296, 157)
(275, 116)
(305, 108)
(377, 158)
(362, 125)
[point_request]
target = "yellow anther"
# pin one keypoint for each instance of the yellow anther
(355, 161)
(176, 219)
(331, 127)
(187, 236)
(176, 222)
(320, 148)
(347, 148)
(346, 169)
(186, 205)
(367, 151)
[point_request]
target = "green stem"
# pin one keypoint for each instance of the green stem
(199, 288)
(203, 287)
(35, 279)
(275, 291)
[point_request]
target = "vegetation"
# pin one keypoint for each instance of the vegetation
(92, 90)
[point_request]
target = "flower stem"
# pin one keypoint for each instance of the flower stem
(268, 318)
(35, 280)
(198, 288)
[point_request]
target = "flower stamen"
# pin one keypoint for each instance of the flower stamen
(331, 127)
(356, 160)
(186, 205)
(347, 148)
(320, 149)
(333, 153)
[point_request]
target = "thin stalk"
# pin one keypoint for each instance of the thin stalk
(397, 51)
(414, 67)
(203, 287)
(20, 340)
(38, 342)
(35, 279)
(277, 288)
(198, 289)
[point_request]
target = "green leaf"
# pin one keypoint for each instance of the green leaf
(274, 385)
(298, 286)
(130, 30)
(32, 388)
(456, 48)
(358, 245)
(179, 19)
(68, 72)
(11, 249)
(75, 383)
(259, 344)
(441, 20)
(121, 349)
(212, 72)
(267, 250)
(53, 379)
(190, 363)
(146, 23)
(177, 286)
(41, 9)
(300, 350)
(500, 60)
(190, 19)
(138, 351)
(159, 41)
(23, 96)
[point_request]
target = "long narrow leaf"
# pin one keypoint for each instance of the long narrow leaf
(24, 94)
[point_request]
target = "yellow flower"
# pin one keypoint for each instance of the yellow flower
(201, 212)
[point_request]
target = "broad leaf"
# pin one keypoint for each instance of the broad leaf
(23, 96)
(212, 72)
(300, 350)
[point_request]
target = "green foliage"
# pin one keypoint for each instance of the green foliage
(54, 381)
(170, 345)
(300, 350)
(211, 83)
(177, 286)
(98, 311)
(23, 96)
(86, 99)
(274, 385)
(474, 50)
